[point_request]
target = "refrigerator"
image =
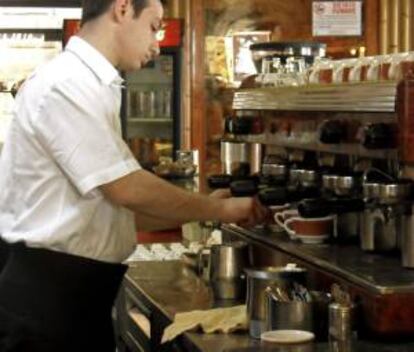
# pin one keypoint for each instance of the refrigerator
(30, 35)
(151, 102)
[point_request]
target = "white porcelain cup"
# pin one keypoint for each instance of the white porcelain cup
(297, 226)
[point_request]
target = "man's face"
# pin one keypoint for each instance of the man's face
(137, 37)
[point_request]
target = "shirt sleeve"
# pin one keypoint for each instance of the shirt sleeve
(79, 126)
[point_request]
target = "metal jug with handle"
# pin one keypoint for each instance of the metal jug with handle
(226, 270)
(258, 280)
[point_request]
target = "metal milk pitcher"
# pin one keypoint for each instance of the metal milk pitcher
(226, 270)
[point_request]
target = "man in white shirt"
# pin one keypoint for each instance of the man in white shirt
(69, 187)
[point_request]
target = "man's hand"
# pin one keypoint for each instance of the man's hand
(246, 212)
(222, 193)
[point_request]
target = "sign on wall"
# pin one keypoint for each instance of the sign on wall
(337, 18)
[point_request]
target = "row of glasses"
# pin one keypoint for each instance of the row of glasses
(147, 103)
(370, 68)
(276, 74)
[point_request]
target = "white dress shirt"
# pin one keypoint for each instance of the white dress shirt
(64, 142)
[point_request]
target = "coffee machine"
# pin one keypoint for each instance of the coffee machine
(357, 143)
(360, 126)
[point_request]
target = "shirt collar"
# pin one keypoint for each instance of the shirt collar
(98, 63)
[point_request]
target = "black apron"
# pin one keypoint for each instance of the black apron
(4, 253)
(52, 301)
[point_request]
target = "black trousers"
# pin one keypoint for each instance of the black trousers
(51, 301)
(4, 254)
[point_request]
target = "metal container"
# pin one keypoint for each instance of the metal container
(277, 170)
(258, 280)
(308, 178)
(240, 157)
(382, 227)
(226, 270)
(346, 184)
(371, 191)
(342, 322)
(255, 157)
(367, 230)
(329, 182)
(292, 315)
(234, 156)
(395, 192)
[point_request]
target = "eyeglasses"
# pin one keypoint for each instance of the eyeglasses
(160, 36)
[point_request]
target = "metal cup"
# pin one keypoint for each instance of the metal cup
(288, 315)
(341, 321)
(226, 270)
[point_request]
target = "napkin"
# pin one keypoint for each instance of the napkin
(224, 320)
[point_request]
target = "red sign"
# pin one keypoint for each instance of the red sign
(70, 27)
(171, 33)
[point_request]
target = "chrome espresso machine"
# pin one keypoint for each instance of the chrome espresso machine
(340, 146)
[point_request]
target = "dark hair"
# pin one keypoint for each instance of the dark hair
(94, 8)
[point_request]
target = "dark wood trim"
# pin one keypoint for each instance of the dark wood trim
(372, 26)
(198, 115)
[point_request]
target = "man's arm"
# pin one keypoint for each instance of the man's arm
(153, 197)
(151, 223)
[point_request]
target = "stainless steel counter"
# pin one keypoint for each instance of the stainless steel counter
(378, 274)
(170, 287)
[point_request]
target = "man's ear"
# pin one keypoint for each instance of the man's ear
(121, 9)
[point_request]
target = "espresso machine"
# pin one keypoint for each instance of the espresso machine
(361, 127)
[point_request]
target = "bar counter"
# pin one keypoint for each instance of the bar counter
(377, 273)
(170, 287)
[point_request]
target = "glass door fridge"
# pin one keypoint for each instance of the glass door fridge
(30, 34)
(151, 109)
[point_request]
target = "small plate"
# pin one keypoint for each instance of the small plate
(311, 239)
(287, 336)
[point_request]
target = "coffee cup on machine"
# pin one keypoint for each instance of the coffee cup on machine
(282, 216)
(308, 230)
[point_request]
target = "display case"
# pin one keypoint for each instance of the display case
(30, 34)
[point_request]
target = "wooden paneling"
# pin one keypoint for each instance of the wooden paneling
(396, 26)
(372, 26)
(196, 66)
(287, 20)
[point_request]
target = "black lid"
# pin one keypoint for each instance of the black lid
(273, 196)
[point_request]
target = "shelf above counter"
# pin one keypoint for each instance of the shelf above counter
(345, 149)
(347, 97)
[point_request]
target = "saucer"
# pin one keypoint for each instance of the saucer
(312, 239)
(287, 336)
